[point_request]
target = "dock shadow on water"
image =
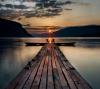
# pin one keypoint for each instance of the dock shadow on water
(12, 60)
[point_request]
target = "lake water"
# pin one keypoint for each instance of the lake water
(12, 60)
(85, 57)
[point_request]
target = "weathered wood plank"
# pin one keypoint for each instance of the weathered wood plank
(67, 77)
(50, 83)
(57, 84)
(44, 75)
(25, 77)
(37, 79)
(61, 76)
(31, 78)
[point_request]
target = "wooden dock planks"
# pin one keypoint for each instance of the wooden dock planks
(50, 82)
(49, 70)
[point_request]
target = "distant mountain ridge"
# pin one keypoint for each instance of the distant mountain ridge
(76, 31)
(12, 29)
(79, 31)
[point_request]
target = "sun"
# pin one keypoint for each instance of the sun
(49, 31)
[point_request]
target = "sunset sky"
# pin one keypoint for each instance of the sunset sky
(83, 12)
(74, 12)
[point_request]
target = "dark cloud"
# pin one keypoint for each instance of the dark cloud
(46, 13)
(48, 8)
(20, 7)
(1, 5)
(13, 6)
(40, 8)
(8, 6)
(66, 3)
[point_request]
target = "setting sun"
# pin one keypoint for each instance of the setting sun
(49, 31)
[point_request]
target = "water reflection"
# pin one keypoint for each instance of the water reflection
(86, 61)
(12, 60)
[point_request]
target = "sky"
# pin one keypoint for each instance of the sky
(53, 12)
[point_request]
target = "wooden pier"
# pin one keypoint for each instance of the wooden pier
(49, 70)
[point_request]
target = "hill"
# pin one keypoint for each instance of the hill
(12, 29)
(79, 31)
